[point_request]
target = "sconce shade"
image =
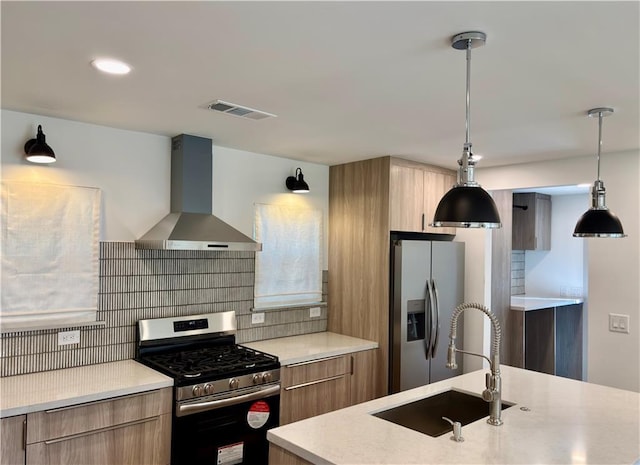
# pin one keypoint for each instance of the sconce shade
(467, 207)
(297, 183)
(37, 150)
(598, 222)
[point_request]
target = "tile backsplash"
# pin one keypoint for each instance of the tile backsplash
(517, 272)
(140, 284)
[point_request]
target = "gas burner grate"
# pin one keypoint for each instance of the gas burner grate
(211, 362)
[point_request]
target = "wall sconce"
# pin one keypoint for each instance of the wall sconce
(37, 151)
(296, 183)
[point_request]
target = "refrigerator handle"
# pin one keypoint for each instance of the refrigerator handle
(429, 328)
(437, 318)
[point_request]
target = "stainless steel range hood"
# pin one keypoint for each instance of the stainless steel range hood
(190, 225)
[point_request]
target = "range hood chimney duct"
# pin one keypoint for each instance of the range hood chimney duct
(190, 225)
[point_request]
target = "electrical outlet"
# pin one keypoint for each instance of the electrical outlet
(575, 292)
(257, 318)
(69, 337)
(618, 323)
(315, 312)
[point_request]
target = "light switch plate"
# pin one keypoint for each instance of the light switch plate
(618, 323)
(69, 337)
(315, 312)
(257, 318)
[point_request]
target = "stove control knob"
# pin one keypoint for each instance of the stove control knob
(266, 377)
(208, 389)
(233, 383)
(196, 390)
(257, 379)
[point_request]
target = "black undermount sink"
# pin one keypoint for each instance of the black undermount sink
(425, 415)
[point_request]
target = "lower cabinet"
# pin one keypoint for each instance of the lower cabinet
(315, 387)
(551, 340)
(279, 456)
(12, 440)
(127, 430)
(320, 386)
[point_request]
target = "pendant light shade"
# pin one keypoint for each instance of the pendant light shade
(37, 150)
(599, 221)
(467, 204)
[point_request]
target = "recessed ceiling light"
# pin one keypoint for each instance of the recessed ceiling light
(111, 66)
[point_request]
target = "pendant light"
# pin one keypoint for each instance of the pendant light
(599, 221)
(467, 205)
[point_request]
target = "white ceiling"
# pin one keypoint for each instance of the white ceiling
(348, 80)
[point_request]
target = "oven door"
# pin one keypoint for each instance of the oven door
(226, 430)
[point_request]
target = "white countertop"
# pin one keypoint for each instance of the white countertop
(526, 303)
(569, 422)
(59, 388)
(306, 347)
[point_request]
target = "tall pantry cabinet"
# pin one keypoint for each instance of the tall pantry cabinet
(367, 200)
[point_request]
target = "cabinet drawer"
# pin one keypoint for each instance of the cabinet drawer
(143, 441)
(75, 419)
(306, 372)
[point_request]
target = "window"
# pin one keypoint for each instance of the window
(288, 269)
(50, 240)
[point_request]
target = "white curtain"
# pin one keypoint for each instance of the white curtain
(50, 255)
(288, 270)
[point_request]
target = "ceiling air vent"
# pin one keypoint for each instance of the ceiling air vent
(238, 110)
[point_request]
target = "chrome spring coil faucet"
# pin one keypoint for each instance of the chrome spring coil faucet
(493, 390)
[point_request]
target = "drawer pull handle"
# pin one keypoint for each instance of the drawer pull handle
(96, 402)
(311, 383)
(101, 430)
(318, 360)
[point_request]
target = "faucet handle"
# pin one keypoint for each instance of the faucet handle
(457, 430)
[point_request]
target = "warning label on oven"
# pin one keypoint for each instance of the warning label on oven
(258, 414)
(231, 454)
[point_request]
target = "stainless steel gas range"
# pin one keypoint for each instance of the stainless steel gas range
(226, 395)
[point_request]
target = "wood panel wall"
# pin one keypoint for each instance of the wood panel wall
(501, 271)
(359, 244)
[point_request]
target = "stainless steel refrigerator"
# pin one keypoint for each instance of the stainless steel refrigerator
(427, 284)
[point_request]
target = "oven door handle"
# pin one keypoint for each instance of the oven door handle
(190, 409)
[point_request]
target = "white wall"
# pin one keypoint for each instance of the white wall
(266, 175)
(131, 168)
(613, 264)
(559, 271)
(133, 171)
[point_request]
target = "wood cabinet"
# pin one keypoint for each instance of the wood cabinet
(364, 207)
(531, 222)
(280, 456)
(13, 438)
(134, 429)
(320, 386)
(550, 340)
(415, 191)
(315, 387)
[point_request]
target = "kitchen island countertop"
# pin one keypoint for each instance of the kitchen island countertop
(307, 347)
(45, 390)
(554, 421)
